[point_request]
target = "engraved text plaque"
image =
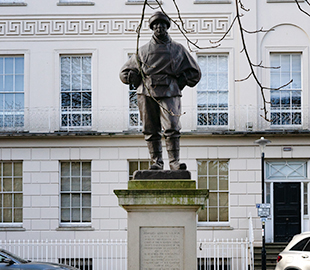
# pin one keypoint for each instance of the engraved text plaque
(161, 248)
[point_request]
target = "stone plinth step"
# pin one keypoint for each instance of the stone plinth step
(161, 174)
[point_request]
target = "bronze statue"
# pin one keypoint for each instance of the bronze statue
(159, 73)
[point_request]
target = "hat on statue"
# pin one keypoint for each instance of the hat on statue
(159, 16)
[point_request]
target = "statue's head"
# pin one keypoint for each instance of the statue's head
(159, 16)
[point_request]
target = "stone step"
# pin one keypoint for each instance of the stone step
(272, 251)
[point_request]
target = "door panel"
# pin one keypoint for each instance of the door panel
(287, 211)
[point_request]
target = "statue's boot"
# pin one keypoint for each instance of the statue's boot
(155, 149)
(173, 149)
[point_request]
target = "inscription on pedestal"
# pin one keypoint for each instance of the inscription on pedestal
(161, 248)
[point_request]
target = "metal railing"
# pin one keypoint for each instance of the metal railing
(229, 254)
(112, 254)
(117, 119)
(82, 254)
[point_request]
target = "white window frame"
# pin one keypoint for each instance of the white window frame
(218, 223)
(20, 112)
(304, 95)
(80, 127)
(227, 54)
(12, 224)
(291, 110)
(75, 224)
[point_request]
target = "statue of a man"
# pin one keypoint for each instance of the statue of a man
(165, 68)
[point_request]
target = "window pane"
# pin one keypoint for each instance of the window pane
(213, 199)
(76, 203)
(75, 215)
(65, 200)
(203, 182)
(75, 191)
(65, 169)
(7, 169)
(65, 215)
(18, 184)
(213, 216)
(8, 65)
(213, 183)
(223, 214)
(133, 166)
(86, 184)
(213, 166)
(75, 186)
(18, 215)
(86, 200)
(86, 215)
(18, 200)
(19, 65)
(75, 169)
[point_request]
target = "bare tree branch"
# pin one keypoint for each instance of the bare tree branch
(252, 66)
(226, 33)
(301, 9)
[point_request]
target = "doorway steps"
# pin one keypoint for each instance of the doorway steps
(272, 251)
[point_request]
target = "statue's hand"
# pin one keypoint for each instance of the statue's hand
(182, 81)
(134, 79)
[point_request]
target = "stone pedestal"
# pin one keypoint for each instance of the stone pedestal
(162, 222)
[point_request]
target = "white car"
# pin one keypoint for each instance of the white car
(296, 255)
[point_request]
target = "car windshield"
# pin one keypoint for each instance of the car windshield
(15, 257)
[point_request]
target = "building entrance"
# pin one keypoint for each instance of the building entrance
(287, 210)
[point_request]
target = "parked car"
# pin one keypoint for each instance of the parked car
(9, 260)
(296, 255)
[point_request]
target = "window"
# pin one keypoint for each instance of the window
(301, 244)
(137, 165)
(75, 192)
(76, 91)
(286, 170)
(11, 92)
(11, 192)
(286, 102)
(213, 175)
(212, 91)
(134, 114)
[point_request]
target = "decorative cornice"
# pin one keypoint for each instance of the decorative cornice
(209, 25)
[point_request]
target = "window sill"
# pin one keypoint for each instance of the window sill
(203, 227)
(75, 3)
(11, 228)
(75, 228)
(12, 4)
(212, 2)
(142, 2)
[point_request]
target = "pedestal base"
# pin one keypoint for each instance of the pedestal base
(162, 223)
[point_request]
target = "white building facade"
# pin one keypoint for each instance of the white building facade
(70, 130)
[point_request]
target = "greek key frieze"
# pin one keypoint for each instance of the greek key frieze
(215, 25)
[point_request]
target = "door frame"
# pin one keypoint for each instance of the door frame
(269, 231)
